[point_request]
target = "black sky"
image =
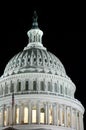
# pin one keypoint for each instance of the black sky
(54, 20)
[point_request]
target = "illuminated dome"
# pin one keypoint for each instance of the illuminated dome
(35, 91)
(35, 60)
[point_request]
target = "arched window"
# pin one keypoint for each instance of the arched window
(25, 114)
(19, 86)
(42, 113)
(42, 86)
(34, 114)
(26, 85)
(34, 85)
(17, 115)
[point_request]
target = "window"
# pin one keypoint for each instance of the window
(12, 87)
(19, 86)
(34, 114)
(55, 87)
(65, 91)
(17, 115)
(6, 89)
(1, 91)
(26, 85)
(61, 89)
(34, 85)
(25, 115)
(49, 86)
(42, 86)
(42, 112)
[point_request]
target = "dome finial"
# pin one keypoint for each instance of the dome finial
(35, 23)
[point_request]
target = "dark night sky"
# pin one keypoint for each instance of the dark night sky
(69, 47)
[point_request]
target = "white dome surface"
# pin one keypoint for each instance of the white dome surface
(35, 60)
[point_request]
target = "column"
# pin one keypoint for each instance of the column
(45, 106)
(71, 116)
(7, 116)
(53, 114)
(76, 121)
(14, 111)
(20, 113)
(82, 122)
(65, 116)
(38, 112)
(29, 112)
(61, 115)
(10, 111)
(48, 113)
(2, 124)
(57, 114)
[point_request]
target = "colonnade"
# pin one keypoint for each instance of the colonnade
(41, 113)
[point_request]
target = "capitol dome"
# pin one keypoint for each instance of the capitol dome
(35, 91)
(35, 59)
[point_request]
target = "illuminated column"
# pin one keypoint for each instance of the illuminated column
(38, 112)
(71, 116)
(76, 120)
(65, 115)
(45, 118)
(2, 112)
(57, 114)
(53, 114)
(10, 114)
(22, 113)
(7, 116)
(48, 113)
(29, 112)
(14, 110)
(80, 121)
(60, 114)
